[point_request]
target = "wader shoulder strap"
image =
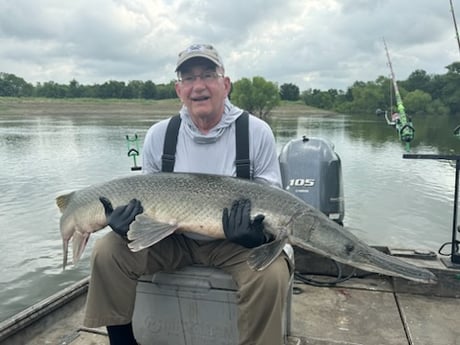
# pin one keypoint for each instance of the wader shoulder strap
(169, 148)
(241, 138)
(243, 168)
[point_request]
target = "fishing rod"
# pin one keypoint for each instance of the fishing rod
(403, 124)
(455, 24)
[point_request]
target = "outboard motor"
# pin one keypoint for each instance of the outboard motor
(312, 171)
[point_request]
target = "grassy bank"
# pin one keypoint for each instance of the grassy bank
(74, 106)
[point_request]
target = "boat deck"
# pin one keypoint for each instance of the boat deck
(369, 312)
(365, 310)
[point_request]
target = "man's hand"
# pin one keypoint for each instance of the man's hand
(239, 228)
(120, 218)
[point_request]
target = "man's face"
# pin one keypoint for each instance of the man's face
(203, 90)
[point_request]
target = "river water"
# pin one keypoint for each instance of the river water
(400, 203)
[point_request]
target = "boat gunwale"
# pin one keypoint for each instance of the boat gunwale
(41, 309)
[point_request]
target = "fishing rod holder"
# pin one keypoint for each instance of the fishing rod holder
(455, 255)
(133, 150)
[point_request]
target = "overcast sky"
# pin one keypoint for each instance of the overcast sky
(312, 43)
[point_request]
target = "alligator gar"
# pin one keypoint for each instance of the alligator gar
(184, 202)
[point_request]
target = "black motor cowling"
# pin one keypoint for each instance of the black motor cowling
(312, 171)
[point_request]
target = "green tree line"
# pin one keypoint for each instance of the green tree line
(421, 93)
(13, 86)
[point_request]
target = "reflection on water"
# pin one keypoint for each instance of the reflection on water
(388, 200)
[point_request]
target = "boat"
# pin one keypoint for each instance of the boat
(329, 303)
(365, 309)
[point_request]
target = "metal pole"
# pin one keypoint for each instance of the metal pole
(455, 257)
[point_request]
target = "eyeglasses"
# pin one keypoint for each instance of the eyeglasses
(208, 77)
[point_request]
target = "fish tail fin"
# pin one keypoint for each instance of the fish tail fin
(145, 232)
(261, 257)
(63, 200)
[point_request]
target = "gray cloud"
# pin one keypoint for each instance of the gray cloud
(311, 43)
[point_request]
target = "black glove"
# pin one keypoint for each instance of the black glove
(239, 228)
(120, 218)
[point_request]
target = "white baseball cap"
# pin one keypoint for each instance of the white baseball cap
(206, 51)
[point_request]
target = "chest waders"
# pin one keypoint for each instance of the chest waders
(242, 162)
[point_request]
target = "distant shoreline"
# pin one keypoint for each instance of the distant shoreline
(121, 107)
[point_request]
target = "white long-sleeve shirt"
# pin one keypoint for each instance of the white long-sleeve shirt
(215, 152)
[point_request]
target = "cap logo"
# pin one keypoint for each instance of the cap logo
(197, 48)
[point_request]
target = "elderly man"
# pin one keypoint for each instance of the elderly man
(202, 139)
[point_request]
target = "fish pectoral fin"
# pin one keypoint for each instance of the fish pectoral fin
(79, 241)
(65, 248)
(262, 256)
(145, 232)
